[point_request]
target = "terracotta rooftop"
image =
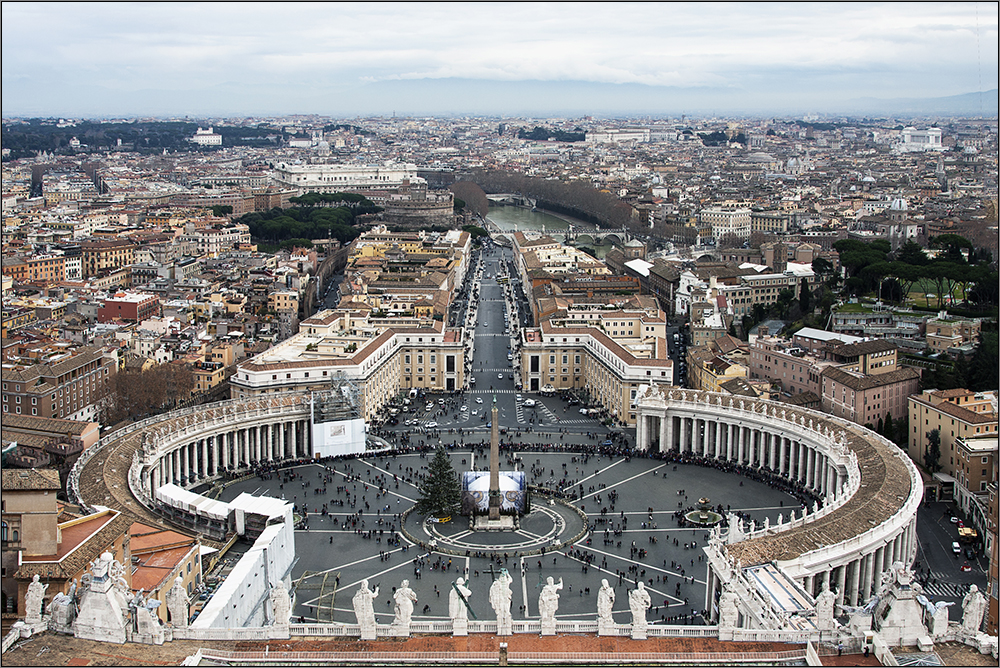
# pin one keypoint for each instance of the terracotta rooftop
(30, 479)
(81, 543)
(957, 411)
(867, 382)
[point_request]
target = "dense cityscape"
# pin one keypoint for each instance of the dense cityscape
(703, 388)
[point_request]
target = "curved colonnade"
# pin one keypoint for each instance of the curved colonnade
(869, 488)
(191, 446)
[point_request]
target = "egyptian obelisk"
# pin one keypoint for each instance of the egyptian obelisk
(494, 464)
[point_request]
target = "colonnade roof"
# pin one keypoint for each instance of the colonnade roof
(104, 479)
(885, 487)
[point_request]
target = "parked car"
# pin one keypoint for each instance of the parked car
(956, 548)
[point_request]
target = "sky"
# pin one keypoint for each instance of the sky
(125, 59)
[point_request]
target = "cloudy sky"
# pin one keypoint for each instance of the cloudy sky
(337, 58)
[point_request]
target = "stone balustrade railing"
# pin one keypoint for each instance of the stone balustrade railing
(826, 434)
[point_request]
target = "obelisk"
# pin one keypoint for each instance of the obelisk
(494, 464)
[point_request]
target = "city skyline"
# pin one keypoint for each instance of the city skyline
(99, 59)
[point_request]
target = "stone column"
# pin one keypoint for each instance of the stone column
(213, 448)
(224, 446)
(866, 576)
(841, 581)
(808, 585)
(855, 572)
(879, 566)
(810, 466)
(741, 444)
(825, 582)
(641, 439)
(281, 440)
(665, 433)
(204, 457)
(729, 441)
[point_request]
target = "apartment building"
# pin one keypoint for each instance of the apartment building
(129, 306)
(59, 382)
(609, 353)
(876, 321)
(866, 399)
(715, 222)
(37, 541)
(945, 332)
(329, 178)
(37, 268)
(107, 255)
(382, 356)
(769, 222)
(778, 360)
(955, 414)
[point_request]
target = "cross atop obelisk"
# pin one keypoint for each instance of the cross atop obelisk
(494, 464)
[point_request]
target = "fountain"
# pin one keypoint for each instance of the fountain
(704, 515)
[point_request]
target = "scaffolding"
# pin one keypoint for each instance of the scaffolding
(340, 402)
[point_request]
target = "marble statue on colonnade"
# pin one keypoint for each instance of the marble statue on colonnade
(973, 609)
(281, 604)
(33, 600)
(458, 607)
(364, 610)
(177, 604)
(548, 603)
(605, 604)
(405, 598)
(638, 603)
(500, 598)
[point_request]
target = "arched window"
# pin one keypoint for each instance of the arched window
(3, 531)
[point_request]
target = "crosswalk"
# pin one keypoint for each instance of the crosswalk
(936, 587)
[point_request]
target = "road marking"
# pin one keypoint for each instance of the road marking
(605, 469)
(620, 482)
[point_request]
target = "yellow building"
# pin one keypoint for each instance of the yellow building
(955, 414)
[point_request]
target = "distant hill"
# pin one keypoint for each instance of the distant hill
(452, 96)
(974, 104)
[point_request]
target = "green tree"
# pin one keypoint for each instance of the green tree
(932, 456)
(983, 369)
(887, 429)
(440, 489)
(805, 296)
(475, 231)
(221, 210)
(901, 428)
(911, 253)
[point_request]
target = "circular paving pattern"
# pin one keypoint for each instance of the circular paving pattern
(547, 525)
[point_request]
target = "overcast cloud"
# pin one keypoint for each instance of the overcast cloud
(120, 59)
